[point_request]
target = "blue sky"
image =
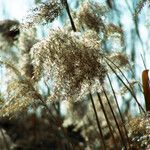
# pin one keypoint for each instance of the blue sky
(15, 9)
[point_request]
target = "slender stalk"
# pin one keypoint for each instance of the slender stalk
(98, 123)
(135, 19)
(143, 62)
(121, 73)
(107, 120)
(49, 111)
(126, 133)
(69, 14)
(115, 119)
(23, 79)
(57, 108)
(132, 93)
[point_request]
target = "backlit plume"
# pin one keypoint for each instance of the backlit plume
(70, 62)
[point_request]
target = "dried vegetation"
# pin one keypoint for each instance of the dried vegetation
(71, 66)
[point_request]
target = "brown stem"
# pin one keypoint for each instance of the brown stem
(43, 101)
(69, 14)
(115, 119)
(107, 120)
(98, 123)
(130, 90)
(126, 133)
(120, 72)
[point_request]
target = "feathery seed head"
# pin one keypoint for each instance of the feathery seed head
(139, 131)
(20, 96)
(120, 59)
(70, 61)
(90, 14)
(44, 13)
